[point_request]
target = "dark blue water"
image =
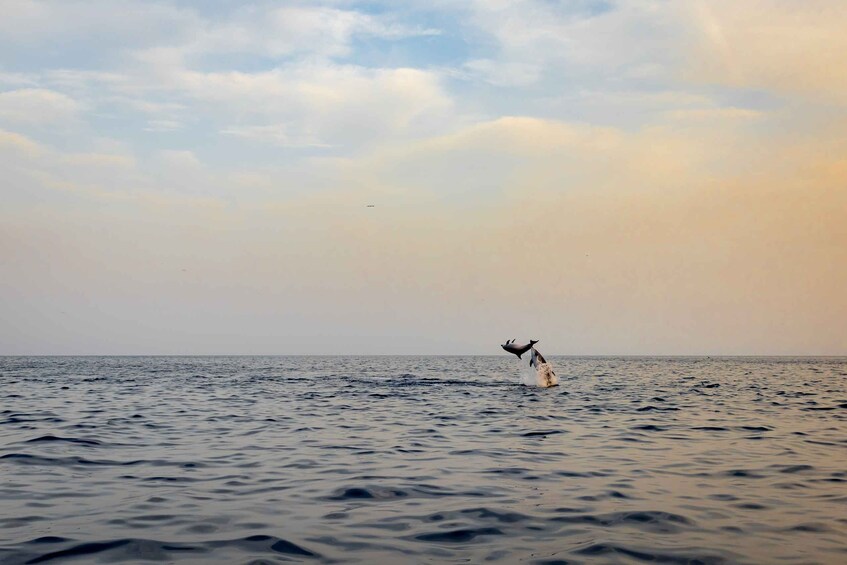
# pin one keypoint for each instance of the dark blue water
(422, 460)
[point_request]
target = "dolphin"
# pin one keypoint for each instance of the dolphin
(511, 347)
(545, 377)
(536, 359)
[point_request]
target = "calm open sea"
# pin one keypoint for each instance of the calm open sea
(422, 460)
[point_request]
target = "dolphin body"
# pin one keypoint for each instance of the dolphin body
(546, 377)
(536, 359)
(518, 350)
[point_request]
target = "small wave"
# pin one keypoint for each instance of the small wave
(676, 558)
(53, 439)
(647, 519)
(29, 459)
(542, 433)
(649, 428)
(742, 473)
(146, 549)
(605, 496)
(372, 493)
(488, 514)
(461, 535)
(790, 469)
(380, 493)
(810, 527)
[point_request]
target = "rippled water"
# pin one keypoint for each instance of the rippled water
(421, 460)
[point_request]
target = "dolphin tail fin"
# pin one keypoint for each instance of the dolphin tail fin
(533, 341)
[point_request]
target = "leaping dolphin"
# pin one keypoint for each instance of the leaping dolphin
(536, 359)
(518, 350)
(545, 376)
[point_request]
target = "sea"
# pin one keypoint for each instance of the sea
(258, 460)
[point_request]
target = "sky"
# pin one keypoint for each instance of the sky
(609, 177)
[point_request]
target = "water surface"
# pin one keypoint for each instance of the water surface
(422, 460)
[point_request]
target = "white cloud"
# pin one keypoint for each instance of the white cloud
(37, 105)
(163, 60)
(40, 169)
(537, 41)
(708, 114)
(17, 79)
(278, 134)
(287, 30)
(105, 25)
(790, 47)
(163, 125)
(15, 144)
(104, 160)
(504, 73)
(321, 104)
(179, 159)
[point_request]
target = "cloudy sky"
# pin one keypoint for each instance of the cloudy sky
(611, 177)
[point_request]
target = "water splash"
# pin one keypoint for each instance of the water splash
(543, 375)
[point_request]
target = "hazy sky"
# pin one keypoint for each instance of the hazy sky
(610, 177)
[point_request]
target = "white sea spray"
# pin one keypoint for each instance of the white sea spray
(543, 375)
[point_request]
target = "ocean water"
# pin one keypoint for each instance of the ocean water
(422, 460)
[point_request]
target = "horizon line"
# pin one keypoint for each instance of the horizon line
(575, 355)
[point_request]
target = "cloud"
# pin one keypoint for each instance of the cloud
(776, 45)
(539, 41)
(16, 79)
(37, 106)
(730, 113)
(621, 177)
(33, 28)
(287, 30)
(16, 142)
(654, 240)
(163, 125)
(179, 158)
(321, 104)
(102, 28)
(162, 116)
(679, 237)
(105, 160)
(179, 66)
(277, 134)
(790, 47)
(90, 178)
